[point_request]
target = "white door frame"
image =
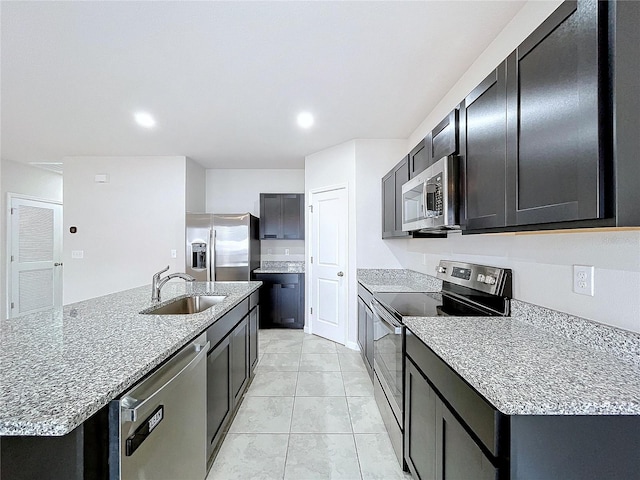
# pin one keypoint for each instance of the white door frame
(9, 243)
(308, 324)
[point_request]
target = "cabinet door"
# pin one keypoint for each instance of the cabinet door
(458, 457)
(419, 157)
(270, 216)
(219, 399)
(369, 337)
(419, 424)
(254, 317)
(293, 216)
(288, 304)
(362, 325)
(239, 359)
(443, 140)
(388, 205)
(554, 158)
(483, 125)
(401, 176)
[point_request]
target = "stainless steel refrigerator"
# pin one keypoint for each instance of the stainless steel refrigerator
(222, 247)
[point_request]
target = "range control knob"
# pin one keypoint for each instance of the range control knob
(490, 280)
(441, 269)
(480, 277)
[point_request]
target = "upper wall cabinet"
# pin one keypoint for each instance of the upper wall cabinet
(483, 126)
(392, 200)
(443, 139)
(282, 216)
(419, 157)
(556, 146)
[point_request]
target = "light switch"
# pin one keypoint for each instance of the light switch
(174, 253)
(77, 253)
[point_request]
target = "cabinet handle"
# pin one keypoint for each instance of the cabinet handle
(270, 236)
(288, 285)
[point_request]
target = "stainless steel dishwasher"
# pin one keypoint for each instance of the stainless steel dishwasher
(158, 429)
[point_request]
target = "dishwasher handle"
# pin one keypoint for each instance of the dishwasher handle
(131, 405)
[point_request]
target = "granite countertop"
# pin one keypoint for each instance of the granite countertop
(280, 267)
(59, 367)
(536, 362)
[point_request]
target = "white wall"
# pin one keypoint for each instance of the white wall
(542, 262)
(127, 227)
(372, 159)
(196, 185)
(238, 191)
(22, 179)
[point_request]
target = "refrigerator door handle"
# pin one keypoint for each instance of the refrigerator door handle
(212, 255)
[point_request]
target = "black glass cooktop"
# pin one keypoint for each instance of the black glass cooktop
(424, 304)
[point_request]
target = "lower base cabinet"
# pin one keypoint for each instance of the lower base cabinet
(452, 433)
(281, 300)
(365, 328)
(219, 401)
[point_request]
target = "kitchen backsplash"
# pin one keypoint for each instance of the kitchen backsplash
(282, 250)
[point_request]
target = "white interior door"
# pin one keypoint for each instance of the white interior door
(329, 237)
(35, 261)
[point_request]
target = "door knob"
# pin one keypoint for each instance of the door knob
(340, 274)
(57, 264)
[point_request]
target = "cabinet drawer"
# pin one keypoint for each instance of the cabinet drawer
(254, 299)
(364, 294)
(223, 326)
(282, 278)
(480, 416)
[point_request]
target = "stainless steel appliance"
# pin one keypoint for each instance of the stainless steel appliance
(430, 199)
(222, 247)
(467, 290)
(156, 429)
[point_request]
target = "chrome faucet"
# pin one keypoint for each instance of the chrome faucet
(158, 283)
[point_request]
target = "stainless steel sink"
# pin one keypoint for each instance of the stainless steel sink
(187, 305)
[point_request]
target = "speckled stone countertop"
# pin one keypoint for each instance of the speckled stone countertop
(525, 370)
(397, 280)
(280, 267)
(59, 367)
(536, 362)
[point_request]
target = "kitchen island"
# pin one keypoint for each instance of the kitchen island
(60, 368)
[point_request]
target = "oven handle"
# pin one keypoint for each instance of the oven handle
(380, 312)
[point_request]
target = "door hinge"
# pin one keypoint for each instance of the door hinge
(13, 210)
(13, 305)
(311, 208)
(311, 259)
(311, 310)
(12, 258)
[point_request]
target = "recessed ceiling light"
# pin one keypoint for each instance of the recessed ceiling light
(145, 120)
(305, 119)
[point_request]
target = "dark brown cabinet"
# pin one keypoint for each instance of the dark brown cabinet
(254, 322)
(365, 328)
(282, 216)
(443, 139)
(281, 300)
(556, 147)
(219, 398)
(483, 126)
(419, 157)
(392, 200)
(436, 444)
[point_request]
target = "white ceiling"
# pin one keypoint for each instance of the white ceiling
(225, 80)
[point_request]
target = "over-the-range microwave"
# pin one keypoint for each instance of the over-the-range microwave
(430, 199)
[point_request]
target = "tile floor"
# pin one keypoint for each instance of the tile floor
(308, 414)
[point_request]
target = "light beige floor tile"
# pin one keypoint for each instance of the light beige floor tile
(319, 384)
(270, 384)
(377, 459)
(319, 362)
(351, 362)
(282, 362)
(250, 456)
(315, 344)
(263, 415)
(293, 345)
(357, 384)
(311, 457)
(365, 416)
(320, 415)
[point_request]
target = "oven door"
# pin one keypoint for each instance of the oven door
(387, 357)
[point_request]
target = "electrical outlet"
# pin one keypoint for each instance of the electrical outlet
(286, 251)
(174, 253)
(583, 279)
(77, 253)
